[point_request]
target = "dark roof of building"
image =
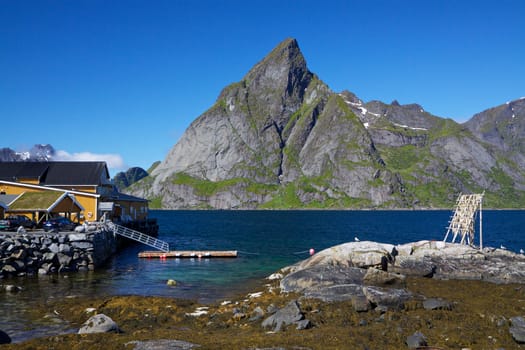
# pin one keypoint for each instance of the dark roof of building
(11, 171)
(118, 196)
(56, 173)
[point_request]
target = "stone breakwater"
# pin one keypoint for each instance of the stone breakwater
(44, 253)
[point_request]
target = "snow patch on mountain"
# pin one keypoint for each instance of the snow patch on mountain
(409, 127)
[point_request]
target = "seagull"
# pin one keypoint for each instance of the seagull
(357, 239)
(522, 251)
(503, 247)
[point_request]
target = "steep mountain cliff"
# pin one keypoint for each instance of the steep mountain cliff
(127, 178)
(280, 138)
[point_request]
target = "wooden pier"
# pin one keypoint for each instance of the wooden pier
(199, 254)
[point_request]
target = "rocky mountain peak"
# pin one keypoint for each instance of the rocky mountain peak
(250, 114)
(279, 81)
(284, 59)
(502, 126)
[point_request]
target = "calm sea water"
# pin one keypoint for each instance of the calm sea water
(266, 241)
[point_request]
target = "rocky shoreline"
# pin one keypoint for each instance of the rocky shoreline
(355, 295)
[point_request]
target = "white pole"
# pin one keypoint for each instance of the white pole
(481, 223)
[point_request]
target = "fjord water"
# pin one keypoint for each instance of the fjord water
(266, 241)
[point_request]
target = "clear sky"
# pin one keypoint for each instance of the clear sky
(121, 80)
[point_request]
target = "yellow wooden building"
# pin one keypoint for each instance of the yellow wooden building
(82, 191)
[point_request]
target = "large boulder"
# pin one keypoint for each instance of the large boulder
(4, 338)
(391, 298)
(358, 254)
(290, 314)
(517, 329)
(416, 341)
(99, 324)
(376, 277)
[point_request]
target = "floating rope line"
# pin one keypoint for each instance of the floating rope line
(301, 252)
(243, 252)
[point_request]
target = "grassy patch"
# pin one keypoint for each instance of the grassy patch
(153, 166)
(285, 198)
(155, 202)
(507, 196)
(402, 158)
(36, 200)
(203, 187)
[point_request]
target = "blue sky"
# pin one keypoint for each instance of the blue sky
(121, 80)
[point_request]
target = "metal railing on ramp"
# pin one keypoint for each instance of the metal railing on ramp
(139, 237)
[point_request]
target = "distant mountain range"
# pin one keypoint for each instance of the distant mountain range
(281, 138)
(38, 153)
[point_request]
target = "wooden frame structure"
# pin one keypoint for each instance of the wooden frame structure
(462, 222)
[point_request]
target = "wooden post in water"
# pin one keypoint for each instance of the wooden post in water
(481, 222)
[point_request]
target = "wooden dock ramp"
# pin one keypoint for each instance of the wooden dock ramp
(199, 254)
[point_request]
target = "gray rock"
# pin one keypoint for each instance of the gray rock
(46, 241)
(81, 228)
(381, 309)
(389, 297)
(321, 275)
(65, 248)
(54, 248)
(380, 278)
(75, 237)
(360, 303)
(99, 324)
(416, 340)
(20, 254)
(339, 292)
(421, 267)
(271, 309)
(161, 344)
(82, 245)
(4, 338)
(63, 259)
(12, 288)
(290, 314)
(517, 329)
(303, 324)
(8, 269)
(257, 314)
(19, 265)
(437, 304)
(49, 257)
